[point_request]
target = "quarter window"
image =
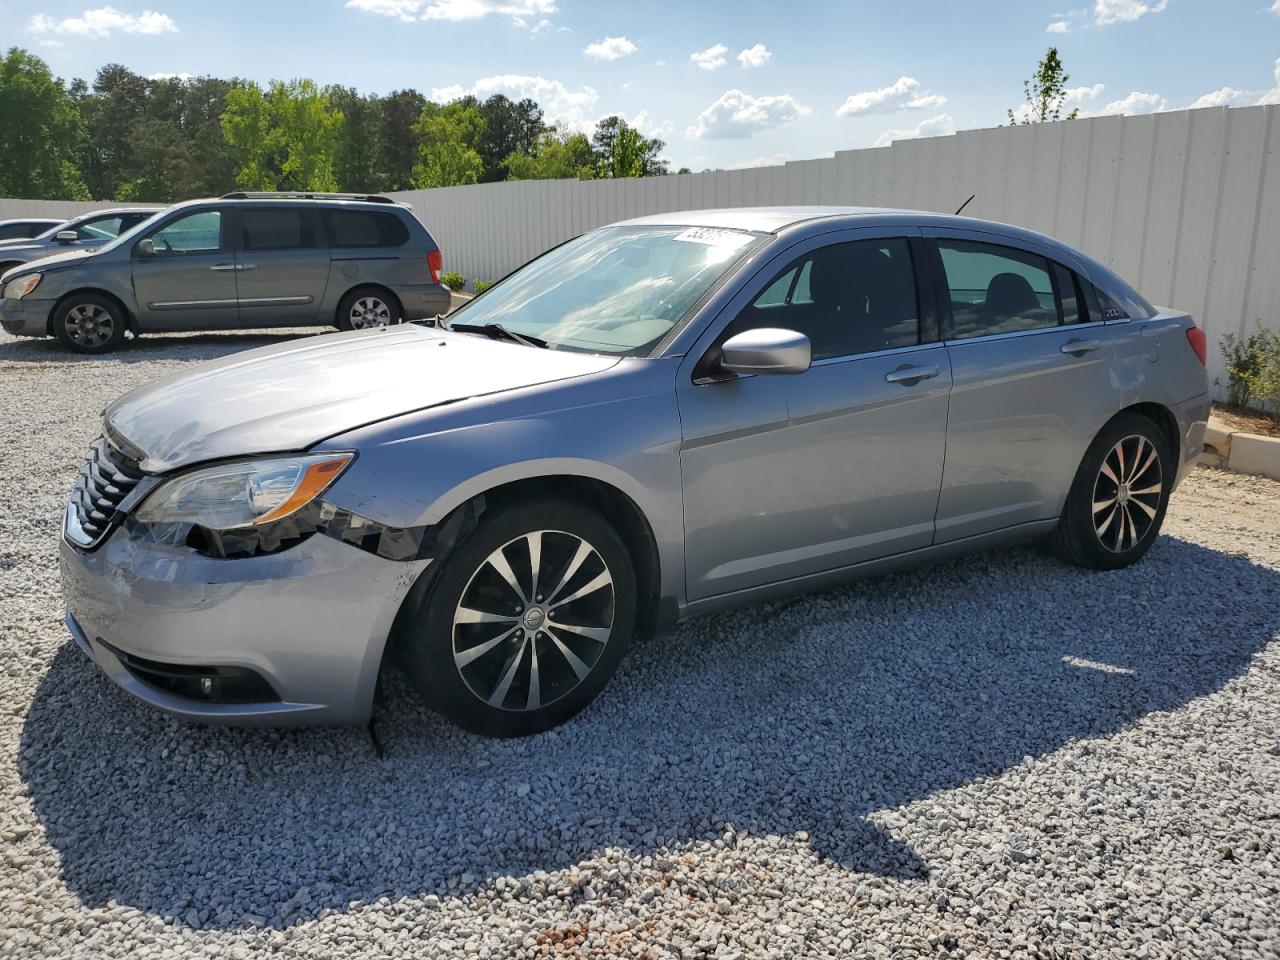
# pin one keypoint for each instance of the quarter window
(199, 232)
(365, 228)
(277, 229)
(996, 289)
(848, 299)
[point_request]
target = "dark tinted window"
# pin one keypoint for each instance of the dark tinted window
(996, 289)
(849, 298)
(16, 231)
(364, 228)
(277, 229)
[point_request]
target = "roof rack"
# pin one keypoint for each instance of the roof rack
(296, 195)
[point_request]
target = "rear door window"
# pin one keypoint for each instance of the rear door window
(364, 228)
(996, 289)
(275, 228)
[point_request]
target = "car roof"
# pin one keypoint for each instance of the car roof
(759, 219)
(30, 220)
(111, 210)
(319, 203)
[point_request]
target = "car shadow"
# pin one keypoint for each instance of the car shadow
(167, 346)
(801, 718)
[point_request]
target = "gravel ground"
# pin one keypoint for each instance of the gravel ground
(999, 756)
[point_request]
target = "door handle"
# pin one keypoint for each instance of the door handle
(247, 266)
(909, 375)
(1079, 348)
(223, 266)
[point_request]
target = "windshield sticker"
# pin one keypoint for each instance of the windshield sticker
(726, 239)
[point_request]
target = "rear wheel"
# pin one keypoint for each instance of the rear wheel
(527, 620)
(1118, 499)
(89, 323)
(368, 307)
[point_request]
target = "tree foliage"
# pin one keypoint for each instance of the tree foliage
(124, 136)
(39, 130)
(1045, 92)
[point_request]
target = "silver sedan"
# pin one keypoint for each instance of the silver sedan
(661, 418)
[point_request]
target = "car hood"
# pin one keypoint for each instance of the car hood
(292, 395)
(48, 257)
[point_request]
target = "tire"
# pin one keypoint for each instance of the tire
(6, 267)
(1135, 452)
(367, 307)
(482, 673)
(89, 323)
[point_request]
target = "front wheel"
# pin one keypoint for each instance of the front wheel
(368, 307)
(89, 323)
(1119, 496)
(527, 620)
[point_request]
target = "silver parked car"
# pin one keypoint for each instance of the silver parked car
(661, 418)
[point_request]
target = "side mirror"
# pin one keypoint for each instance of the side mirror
(144, 249)
(66, 236)
(765, 351)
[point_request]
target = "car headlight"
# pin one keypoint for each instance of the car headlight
(18, 288)
(247, 494)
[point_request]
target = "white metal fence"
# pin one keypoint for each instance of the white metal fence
(1185, 205)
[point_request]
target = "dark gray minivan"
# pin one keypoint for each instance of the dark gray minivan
(244, 260)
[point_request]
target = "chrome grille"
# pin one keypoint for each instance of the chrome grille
(105, 479)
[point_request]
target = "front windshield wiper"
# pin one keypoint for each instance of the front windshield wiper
(496, 331)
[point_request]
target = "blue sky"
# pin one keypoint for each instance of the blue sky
(724, 83)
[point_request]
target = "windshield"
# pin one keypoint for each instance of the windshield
(618, 290)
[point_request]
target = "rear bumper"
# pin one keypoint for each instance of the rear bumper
(25, 317)
(423, 301)
(311, 621)
(1192, 416)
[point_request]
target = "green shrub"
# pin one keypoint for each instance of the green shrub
(1253, 370)
(480, 286)
(453, 280)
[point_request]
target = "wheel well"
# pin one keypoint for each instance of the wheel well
(617, 508)
(1163, 418)
(128, 314)
(367, 286)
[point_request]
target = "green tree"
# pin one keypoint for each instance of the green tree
(397, 145)
(355, 161)
(509, 127)
(39, 130)
(308, 129)
(622, 151)
(556, 155)
(1046, 92)
(246, 125)
(448, 141)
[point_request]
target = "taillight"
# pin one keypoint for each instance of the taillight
(1195, 337)
(435, 263)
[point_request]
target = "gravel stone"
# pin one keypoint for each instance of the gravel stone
(1000, 756)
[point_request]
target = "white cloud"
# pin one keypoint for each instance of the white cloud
(1107, 12)
(711, 58)
(1134, 103)
(1275, 8)
(1273, 95)
(771, 160)
(184, 76)
(1063, 26)
(939, 126)
(560, 104)
(610, 48)
(904, 94)
(104, 21)
(1222, 97)
(454, 10)
(759, 55)
(737, 115)
(646, 125)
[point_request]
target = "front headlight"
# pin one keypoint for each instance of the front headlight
(18, 288)
(247, 494)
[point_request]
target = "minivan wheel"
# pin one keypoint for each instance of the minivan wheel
(1118, 499)
(527, 620)
(367, 307)
(89, 323)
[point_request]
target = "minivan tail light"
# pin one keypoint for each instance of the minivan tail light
(1195, 337)
(435, 263)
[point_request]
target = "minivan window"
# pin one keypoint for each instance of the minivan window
(198, 232)
(364, 228)
(996, 289)
(857, 297)
(277, 229)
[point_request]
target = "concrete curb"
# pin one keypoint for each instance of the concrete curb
(1240, 451)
